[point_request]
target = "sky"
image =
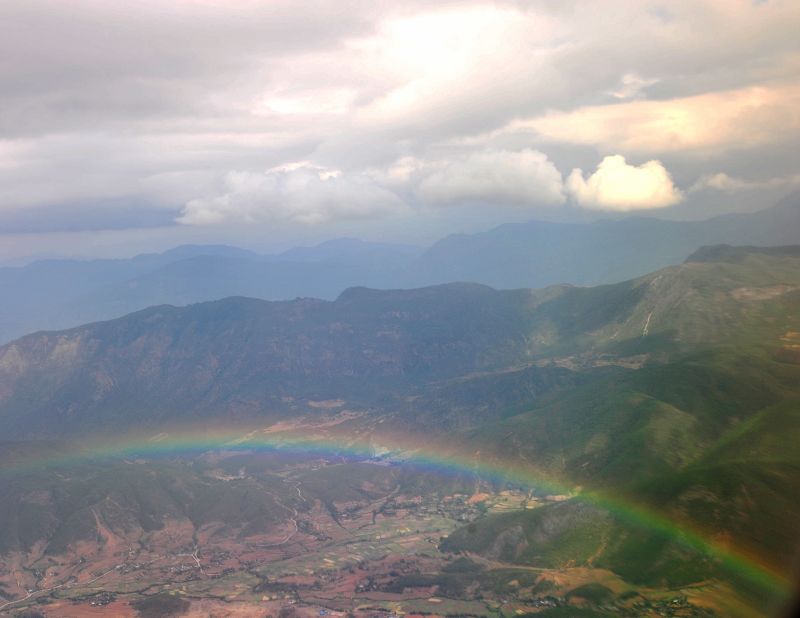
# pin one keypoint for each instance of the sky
(137, 125)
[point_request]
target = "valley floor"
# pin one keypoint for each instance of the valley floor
(377, 555)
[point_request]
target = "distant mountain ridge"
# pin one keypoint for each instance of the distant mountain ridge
(55, 294)
(537, 254)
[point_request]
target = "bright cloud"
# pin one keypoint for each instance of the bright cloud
(297, 194)
(616, 185)
(631, 86)
(735, 119)
(457, 59)
(525, 177)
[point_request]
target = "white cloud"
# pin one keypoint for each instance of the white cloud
(731, 184)
(713, 122)
(631, 86)
(722, 182)
(302, 192)
(526, 177)
(304, 195)
(457, 59)
(618, 186)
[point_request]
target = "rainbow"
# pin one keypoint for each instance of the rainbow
(409, 450)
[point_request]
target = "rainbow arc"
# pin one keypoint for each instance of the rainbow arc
(402, 450)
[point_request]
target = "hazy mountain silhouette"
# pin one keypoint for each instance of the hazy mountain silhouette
(54, 294)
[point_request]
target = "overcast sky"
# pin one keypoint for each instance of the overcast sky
(135, 125)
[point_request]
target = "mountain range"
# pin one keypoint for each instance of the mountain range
(56, 294)
(249, 357)
(677, 390)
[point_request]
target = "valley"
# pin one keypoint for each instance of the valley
(377, 552)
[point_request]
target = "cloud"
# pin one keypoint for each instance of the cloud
(90, 115)
(713, 122)
(732, 184)
(722, 182)
(631, 86)
(526, 177)
(618, 186)
(303, 195)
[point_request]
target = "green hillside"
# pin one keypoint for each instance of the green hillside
(708, 437)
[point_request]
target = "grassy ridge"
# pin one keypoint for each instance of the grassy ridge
(708, 438)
